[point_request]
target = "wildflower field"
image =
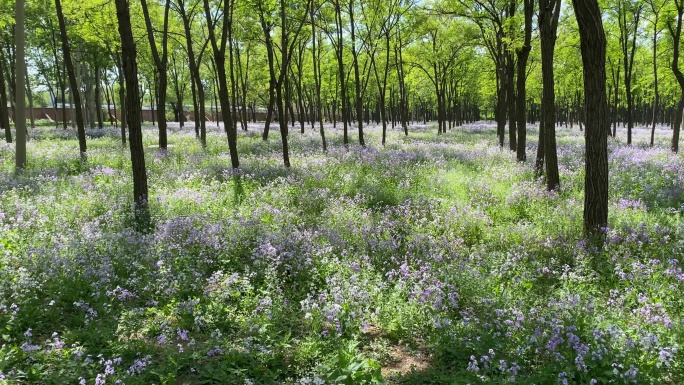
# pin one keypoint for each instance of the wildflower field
(434, 260)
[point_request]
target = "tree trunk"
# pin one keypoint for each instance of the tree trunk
(89, 96)
(523, 54)
(593, 47)
(628, 54)
(21, 74)
(282, 120)
(549, 11)
(233, 84)
(539, 159)
(220, 59)
(123, 106)
(269, 113)
(29, 95)
(357, 76)
(676, 33)
(501, 105)
(510, 73)
(4, 115)
(403, 99)
(98, 98)
(72, 79)
(315, 51)
(161, 63)
(130, 69)
(340, 69)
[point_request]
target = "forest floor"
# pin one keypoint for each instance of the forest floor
(433, 260)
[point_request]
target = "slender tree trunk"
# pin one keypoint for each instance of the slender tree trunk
(510, 72)
(676, 33)
(541, 147)
(340, 69)
(357, 76)
(20, 117)
(123, 106)
(679, 114)
(98, 97)
(549, 11)
(523, 54)
(628, 58)
(593, 47)
(109, 100)
(233, 84)
(60, 77)
(90, 106)
(4, 115)
(315, 51)
(220, 59)
(280, 100)
(29, 94)
(269, 112)
(161, 63)
(500, 102)
(403, 99)
(62, 86)
(130, 68)
(72, 80)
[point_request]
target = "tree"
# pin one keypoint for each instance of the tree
(130, 69)
(351, 5)
(440, 50)
(629, 14)
(656, 7)
(491, 16)
(316, 60)
(269, 15)
(72, 79)
(4, 116)
(219, 50)
(187, 10)
(19, 117)
(523, 53)
(593, 47)
(549, 12)
(161, 63)
(675, 29)
(337, 41)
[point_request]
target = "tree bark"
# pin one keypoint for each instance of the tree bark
(315, 52)
(357, 76)
(130, 69)
(29, 95)
(593, 47)
(549, 12)
(523, 54)
(628, 54)
(161, 63)
(510, 98)
(72, 80)
(4, 115)
(339, 47)
(676, 33)
(21, 74)
(123, 105)
(219, 50)
(98, 98)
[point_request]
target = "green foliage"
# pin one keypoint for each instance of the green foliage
(347, 368)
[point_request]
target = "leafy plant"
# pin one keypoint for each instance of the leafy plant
(349, 368)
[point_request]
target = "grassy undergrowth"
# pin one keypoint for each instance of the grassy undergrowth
(434, 260)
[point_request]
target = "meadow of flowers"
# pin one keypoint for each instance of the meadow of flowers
(434, 260)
